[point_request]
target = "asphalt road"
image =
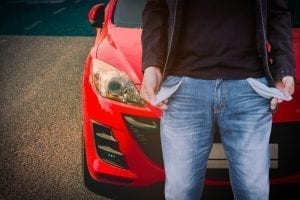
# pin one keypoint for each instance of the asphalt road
(40, 127)
(43, 48)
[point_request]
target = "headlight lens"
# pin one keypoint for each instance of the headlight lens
(114, 84)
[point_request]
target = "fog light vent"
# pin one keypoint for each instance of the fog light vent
(107, 146)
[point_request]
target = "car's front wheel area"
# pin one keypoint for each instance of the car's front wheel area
(119, 192)
(109, 191)
(88, 181)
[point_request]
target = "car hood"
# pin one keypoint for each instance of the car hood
(122, 49)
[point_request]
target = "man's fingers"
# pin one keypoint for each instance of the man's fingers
(274, 103)
(150, 93)
(288, 84)
(162, 106)
(145, 95)
(150, 83)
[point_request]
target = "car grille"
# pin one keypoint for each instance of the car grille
(284, 145)
(146, 132)
(285, 151)
(287, 136)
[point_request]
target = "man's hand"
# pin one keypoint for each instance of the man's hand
(286, 85)
(151, 84)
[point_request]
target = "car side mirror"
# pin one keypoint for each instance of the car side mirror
(96, 15)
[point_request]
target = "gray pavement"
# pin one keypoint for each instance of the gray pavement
(43, 48)
(40, 117)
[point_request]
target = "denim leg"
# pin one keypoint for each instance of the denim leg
(245, 120)
(187, 136)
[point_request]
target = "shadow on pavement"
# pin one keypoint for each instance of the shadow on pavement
(154, 192)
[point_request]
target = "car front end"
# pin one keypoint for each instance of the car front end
(121, 135)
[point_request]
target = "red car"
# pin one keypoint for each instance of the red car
(121, 131)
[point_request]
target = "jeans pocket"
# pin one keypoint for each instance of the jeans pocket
(168, 87)
(171, 81)
(260, 86)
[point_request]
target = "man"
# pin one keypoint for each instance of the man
(207, 49)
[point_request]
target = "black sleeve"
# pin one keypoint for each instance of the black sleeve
(154, 34)
(279, 33)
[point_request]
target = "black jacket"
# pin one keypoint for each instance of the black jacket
(162, 21)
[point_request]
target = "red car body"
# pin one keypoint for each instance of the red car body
(121, 140)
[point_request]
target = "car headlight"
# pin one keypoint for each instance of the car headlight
(114, 84)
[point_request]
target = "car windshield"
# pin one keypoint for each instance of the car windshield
(128, 13)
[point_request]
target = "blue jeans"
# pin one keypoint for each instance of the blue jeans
(244, 120)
